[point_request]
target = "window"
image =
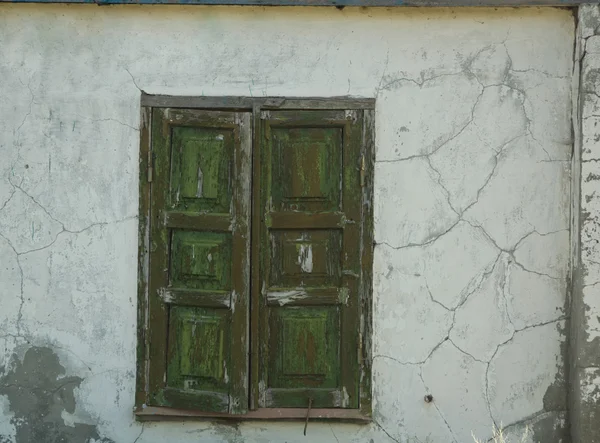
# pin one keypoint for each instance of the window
(255, 257)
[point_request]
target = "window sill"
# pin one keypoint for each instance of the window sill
(154, 413)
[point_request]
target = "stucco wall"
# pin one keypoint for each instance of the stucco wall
(472, 206)
(585, 340)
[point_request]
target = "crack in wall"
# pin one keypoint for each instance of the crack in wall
(26, 336)
(436, 407)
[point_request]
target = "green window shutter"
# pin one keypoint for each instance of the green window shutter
(310, 258)
(199, 260)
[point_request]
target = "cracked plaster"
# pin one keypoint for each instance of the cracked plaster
(471, 197)
(585, 342)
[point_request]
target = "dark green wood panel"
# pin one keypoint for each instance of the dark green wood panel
(311, 308)
(200, 260)
(199, 280)
(306, 257)
(306, 164)
(201, 169)
(309, 303)
(307, 352)
(199, 356)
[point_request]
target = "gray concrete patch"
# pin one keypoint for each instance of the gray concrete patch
(38, 392)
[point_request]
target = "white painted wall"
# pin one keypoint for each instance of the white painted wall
(472, 197)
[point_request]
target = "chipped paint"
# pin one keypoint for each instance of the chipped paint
(305, 257)
(343, 295)
(340, 398)
(285, 297)
(165, 295)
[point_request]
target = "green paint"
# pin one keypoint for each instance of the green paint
(202, 163)
(309, 178)
(309, 346)
(199, 357)
(306, 165)
(200, 217)
(200, 260)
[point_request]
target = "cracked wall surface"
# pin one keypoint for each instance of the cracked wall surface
(472, 203)
(585, 330)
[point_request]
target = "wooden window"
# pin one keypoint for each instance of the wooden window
(255, 258)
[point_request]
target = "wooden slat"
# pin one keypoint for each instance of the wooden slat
(301, 220)
(200, 118)
(143, 260)
(213, 400)
(366, 280)
(351, 202)
(340, 103)
(299, 397)
(240, 271)
(159, 413)
(326, 118)
(159, 264)
(187, 297)
(202, 222)
(255, 295)
(305, 297)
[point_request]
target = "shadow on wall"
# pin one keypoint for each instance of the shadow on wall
(38, 393)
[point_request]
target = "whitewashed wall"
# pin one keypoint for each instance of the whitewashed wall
(472, 203)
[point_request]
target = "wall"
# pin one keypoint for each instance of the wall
(472, 207)
(585, 337)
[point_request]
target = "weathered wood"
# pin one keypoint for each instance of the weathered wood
(198, 222)
(159, 263)
(311, 201)
(206, 402)
(143, 260)
(200, 260)
(306, 296)
(301, 397)
(351, 245)
(241, 266)
(366, 275)
(186, 297)
(250, 103)
(255, 262)
(300, 220)
(311, 261)
(152, 413)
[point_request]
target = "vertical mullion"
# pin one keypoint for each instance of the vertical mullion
(241, 265)
(158, 254)
(255, 261)
(351, 206)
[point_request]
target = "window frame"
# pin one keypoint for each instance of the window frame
(255, 105)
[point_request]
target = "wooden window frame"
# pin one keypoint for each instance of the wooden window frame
(142, 411)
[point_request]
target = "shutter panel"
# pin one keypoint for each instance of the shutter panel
(310, 243)
(199, 260)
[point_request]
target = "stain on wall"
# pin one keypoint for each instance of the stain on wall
(38, 393)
